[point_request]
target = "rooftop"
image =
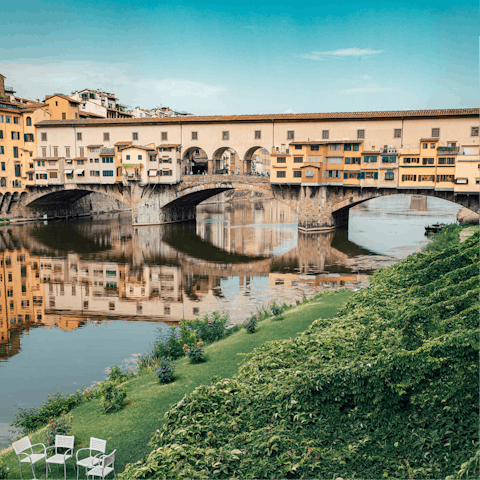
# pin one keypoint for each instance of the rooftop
(281, 117)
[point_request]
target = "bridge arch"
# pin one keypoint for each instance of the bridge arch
(194, 160)
(226, 158)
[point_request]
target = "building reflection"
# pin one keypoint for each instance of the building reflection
(158, 274)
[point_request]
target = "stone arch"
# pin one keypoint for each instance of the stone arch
(194, 161)
(227, 159)
(252, 166)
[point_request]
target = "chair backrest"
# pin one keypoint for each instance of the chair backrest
(108, 459)
(22, 445)
(64, 441)
(98, 444)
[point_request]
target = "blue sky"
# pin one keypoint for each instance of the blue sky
(247, 57)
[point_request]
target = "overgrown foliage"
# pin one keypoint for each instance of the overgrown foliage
(194, 352)
(251, 324)
(387, 389)
(57, 426)
(4, 470)
(113, 397)
(446, 236)
(166, 370)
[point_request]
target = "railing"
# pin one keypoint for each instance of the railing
(108, 151)
(451, 150)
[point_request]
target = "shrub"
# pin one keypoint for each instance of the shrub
(275, 309)
(165, 370)
(116, 374)
(113, 397)
(57, 426)
(168, 345)
(4, 470)
(194, 352)
(250, 324)
(146, 360)
(210, 328)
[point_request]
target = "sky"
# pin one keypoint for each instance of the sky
(249, 57)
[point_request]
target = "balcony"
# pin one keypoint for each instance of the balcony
(448, 150)
(107, 151)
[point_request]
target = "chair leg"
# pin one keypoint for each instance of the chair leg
(33, 471)
(65, 470)
(21, 470)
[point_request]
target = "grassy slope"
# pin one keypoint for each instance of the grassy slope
(129, 430)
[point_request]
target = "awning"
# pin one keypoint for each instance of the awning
(68, 172)
(152, 173)
(79, 171)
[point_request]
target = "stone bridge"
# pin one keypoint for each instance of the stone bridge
(318, 208)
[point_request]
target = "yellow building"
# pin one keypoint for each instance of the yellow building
(62, 107)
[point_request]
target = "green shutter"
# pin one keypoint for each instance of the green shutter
(347, 160)
(375, 175)
(345, 175)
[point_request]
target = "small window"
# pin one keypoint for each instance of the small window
(290, 135)
(297, 174)
(474, 132)
(79, 135)
(67, 152)
(432, 145)
(298, 147)
(325, 134)
(139, 157)
(164, 135)
(435, 132)
(297, 159)
(314, 148)
(55, 151)
(281, 174)
(135, 136)
(397, 133)
(44, 151)
(44, 137)
(258, 134)
(29, 122)
(425, 145)
(225, 135)
(194, 135)
(360, 134)
(281, 159)
(64, 116)
(106, 137)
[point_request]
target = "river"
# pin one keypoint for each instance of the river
(81, 296)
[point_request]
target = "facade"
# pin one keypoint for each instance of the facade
(62, 107)
(432, 149)
(95, 103)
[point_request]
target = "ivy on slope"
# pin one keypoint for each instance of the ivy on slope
(388, 388)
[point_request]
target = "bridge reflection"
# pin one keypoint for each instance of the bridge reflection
(63, 275)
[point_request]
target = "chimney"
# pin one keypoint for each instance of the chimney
(2, 85)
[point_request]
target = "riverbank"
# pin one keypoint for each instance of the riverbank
(129, 430)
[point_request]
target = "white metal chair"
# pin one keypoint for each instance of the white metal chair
(106, 466)
(64, 442)
(32, 458)
(96, 445)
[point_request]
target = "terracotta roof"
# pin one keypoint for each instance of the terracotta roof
(94, 146)
(429, 139)
(168, 145)
(324, 142)
(47, 97)
(49, 158)
(140, 147)
(89, 114)
(80, 158)
(123, 143)
(285, 117)
(371, 151)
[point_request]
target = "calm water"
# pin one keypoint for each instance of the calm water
(79, 297)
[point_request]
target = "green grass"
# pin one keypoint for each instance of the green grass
(129, 429)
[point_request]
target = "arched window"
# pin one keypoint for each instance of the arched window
(29, 122)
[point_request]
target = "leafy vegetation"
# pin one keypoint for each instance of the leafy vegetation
(4, 470)
(57, 426)
(194, 352)
(113, 397)
(166, 370)
(387, 389)
(251, 324)
(446, 236)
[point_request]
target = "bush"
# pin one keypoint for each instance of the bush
(57, 426)
(3, 470)
(168, 345)
(29, 419)
(446, 236)
(210, 328)
(250, 324)
(275, 309)
(194, 352)
(116, 374)
(113, 397)
(165, 370)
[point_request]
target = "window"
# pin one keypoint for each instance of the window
(297, 174)
(106, 137)
(309, 159)
(428, 161)
(2, 150)
(135, 136)
(15, 152)
(298, 147)
(44, 137)
(389, 159)
(347, 147)
(15, 135)
(411, 160)
(1, 118)
(290, 135)
(432, 145)
(139, 157)
(444, 178)
(281, 159)
(82, 151)
(360, 134)
(474, 132)
(28, 122)
(53, 175)
(425, 145)
(370, 159)
(315, 148)
(107, 173)
(281, 174)
(79, 135)
(128, 157)
(389, 175)
(325, 134)
(8, 119)
(64, 116)
(446, 161)
(258, 134)
(153, 158)
(44, 151)
(225, 135)
(336, 146)
(67, 152)
(55, 151)
(315, 159)
(107, 159)
(1, 133)
(297, 159)
(164, 136)
(16, 120)
(334, 159)
(409, 178)
(28, 137)
(194, 135)
(397, 133)
(435, 132)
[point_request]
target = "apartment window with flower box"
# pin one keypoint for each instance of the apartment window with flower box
(225, 135)
(258, 134)
(397, 133)
(325, 134)
(435, 132)
(281, 174)
(474, 132)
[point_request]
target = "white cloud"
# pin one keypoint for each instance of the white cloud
(180, 88)
(289, 110)
(341, 52)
